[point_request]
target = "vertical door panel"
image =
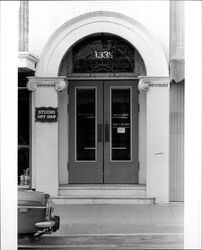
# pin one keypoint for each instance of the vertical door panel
(121, 132)
(85, 132)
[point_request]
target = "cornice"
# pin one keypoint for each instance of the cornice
(27, 61)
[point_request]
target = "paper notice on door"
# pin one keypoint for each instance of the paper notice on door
(121, 130)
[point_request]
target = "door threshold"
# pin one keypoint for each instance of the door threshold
(101, 186)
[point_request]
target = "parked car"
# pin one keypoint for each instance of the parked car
(35, 213)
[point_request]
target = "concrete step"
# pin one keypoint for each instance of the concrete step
(116, 241)
(107, 199)
(102, 194)
(102, 190)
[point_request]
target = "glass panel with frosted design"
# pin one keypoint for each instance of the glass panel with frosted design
(120, 125)
(85, 124)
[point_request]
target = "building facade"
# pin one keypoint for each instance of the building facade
(101, 91)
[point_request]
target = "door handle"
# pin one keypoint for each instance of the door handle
(106, 131)
(99, 132)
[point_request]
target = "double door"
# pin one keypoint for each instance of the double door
(103, 132)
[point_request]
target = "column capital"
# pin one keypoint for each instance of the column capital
(60, 83)
(146, 82)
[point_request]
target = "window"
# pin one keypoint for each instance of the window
(102, 53)
(23, 132)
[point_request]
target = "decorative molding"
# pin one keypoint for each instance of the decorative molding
(107, 22)
(31, 86)
(60, 86)
(27, 61)
(143, 85)
(28, 55)
(23, 43)
(146, 82)
(59, 83)
(158, 84)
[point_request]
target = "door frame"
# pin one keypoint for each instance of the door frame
(107, 77)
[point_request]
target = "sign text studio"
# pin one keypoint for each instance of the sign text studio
(46, 114)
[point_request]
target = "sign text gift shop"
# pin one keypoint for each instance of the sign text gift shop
(46, 114)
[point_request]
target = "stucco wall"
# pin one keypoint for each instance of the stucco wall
(47, 16)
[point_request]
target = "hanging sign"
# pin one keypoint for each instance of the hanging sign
(46, 114)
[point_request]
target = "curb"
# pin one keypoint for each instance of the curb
(101, 239)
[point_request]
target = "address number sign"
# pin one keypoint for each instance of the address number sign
(103, 54)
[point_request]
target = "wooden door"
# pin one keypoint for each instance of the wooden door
(121, 132)
(103, 132)
(85, 132)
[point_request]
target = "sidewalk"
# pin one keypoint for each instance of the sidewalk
(120, 219)
(117, 227)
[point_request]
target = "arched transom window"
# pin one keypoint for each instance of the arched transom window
(103, 53)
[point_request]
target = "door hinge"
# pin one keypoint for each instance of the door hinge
(67, 107)
(68, 166)
(138, 166)
(138, 107)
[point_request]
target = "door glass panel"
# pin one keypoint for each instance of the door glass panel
(120, 125)
(85, 124)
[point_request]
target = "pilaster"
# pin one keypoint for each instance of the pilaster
(45, 95)
(157, 136)
(23, 43)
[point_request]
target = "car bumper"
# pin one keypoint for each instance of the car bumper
(51, 225)
(28, 217)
